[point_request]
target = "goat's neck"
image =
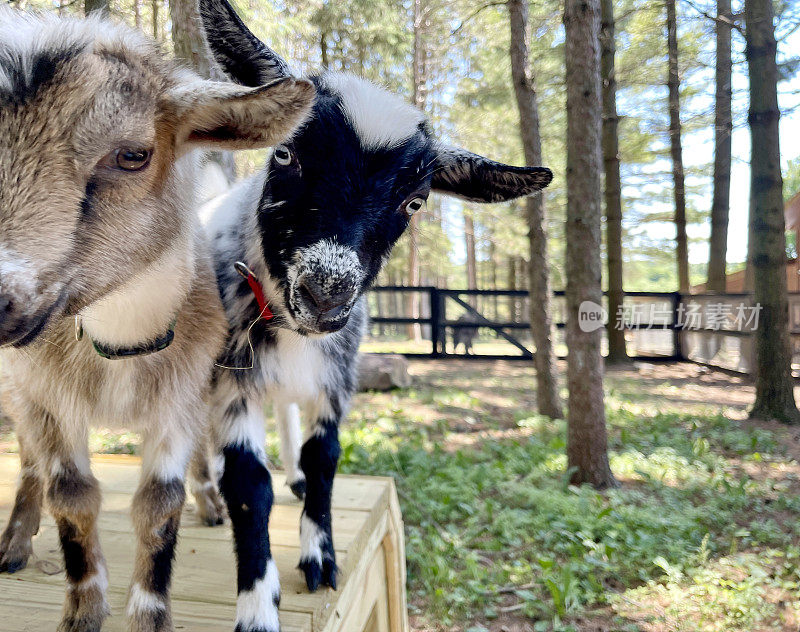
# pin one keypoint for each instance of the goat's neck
(143, 308)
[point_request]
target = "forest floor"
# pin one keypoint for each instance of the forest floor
(703, 533)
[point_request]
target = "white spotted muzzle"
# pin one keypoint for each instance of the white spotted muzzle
(324, 281)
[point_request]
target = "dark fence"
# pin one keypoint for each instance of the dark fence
(493, 324)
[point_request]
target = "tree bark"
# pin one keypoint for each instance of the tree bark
(673, 83)
(723, 126)
(95, 5)
(587, 455)
(472, 264)
(156, 29)
(773, 377)
(548, 400)
(137, 14)
(613, 192)
(418, 93)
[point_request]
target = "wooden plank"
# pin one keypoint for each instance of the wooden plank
(32, 607)
(203, 587)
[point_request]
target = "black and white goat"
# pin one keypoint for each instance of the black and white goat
(312, 231)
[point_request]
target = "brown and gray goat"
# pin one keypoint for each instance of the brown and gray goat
(109, 312)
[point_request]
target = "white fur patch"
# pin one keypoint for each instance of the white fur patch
(98, 580)
(142, 308)
(379, 117)
(291, 433)
(256, 609)
(246, 430)
(311, 540)
(17, 273)
(143, 601)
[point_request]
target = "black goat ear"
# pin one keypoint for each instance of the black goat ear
(243, 57)
(472, 177)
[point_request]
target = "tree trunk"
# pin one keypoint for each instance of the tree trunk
(190, 46)
(418, 91)
(773, 376)
(723, 126)
(137, 14)
(323, 49)
(587, 456)
(616, 295)
(549, 403)
(472, 266)
(95, 5)
(156, 29)
(673, 83)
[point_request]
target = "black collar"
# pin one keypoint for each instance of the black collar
(120, 353)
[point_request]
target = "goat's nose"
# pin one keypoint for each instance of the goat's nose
(328, 304)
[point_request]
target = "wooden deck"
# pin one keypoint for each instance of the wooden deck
(369, 547)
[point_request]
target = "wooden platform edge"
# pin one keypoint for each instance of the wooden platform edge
(387, 542)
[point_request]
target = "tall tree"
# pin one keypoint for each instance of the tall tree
(587, 455)
(548, 400)
(773, 376)
(723, 126)
(613, 192)
(418, 94)
(676, 150)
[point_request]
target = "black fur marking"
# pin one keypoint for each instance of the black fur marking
(44, 66)
(473, 177)
(240, 53)
(87, 211)
(319, 458)
(74, 553)
(247, 488)
(163, 557)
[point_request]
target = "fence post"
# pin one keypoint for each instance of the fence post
(677, 327)
(436, 319)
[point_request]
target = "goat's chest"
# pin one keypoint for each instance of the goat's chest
(293, 368)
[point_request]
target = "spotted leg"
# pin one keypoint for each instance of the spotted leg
(318, 458)
(291, 433)
(210, 506)
(15, 543)
(73, 497)
(157, 507)
(247, 488)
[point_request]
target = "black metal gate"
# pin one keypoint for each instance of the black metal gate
(437, 301)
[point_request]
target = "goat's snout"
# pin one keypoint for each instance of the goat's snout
(325, 302)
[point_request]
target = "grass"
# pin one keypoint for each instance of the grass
(703, 534)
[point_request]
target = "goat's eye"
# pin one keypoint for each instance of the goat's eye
(282, 155)
(414, 205)
(129, 159)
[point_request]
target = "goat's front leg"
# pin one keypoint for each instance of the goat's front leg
(73, 496)
(157, 507)
(291, 433)
(247, 488)
(15, 543)
(319, 458)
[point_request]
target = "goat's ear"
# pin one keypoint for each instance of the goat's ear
(221, 115)
(473, 177)
(244, 57)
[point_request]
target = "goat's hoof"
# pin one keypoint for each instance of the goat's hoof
(299, 488)
(14, 555)
(210, 507)
(241, 628)
(319, 574)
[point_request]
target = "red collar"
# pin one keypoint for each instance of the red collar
(264, 311)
